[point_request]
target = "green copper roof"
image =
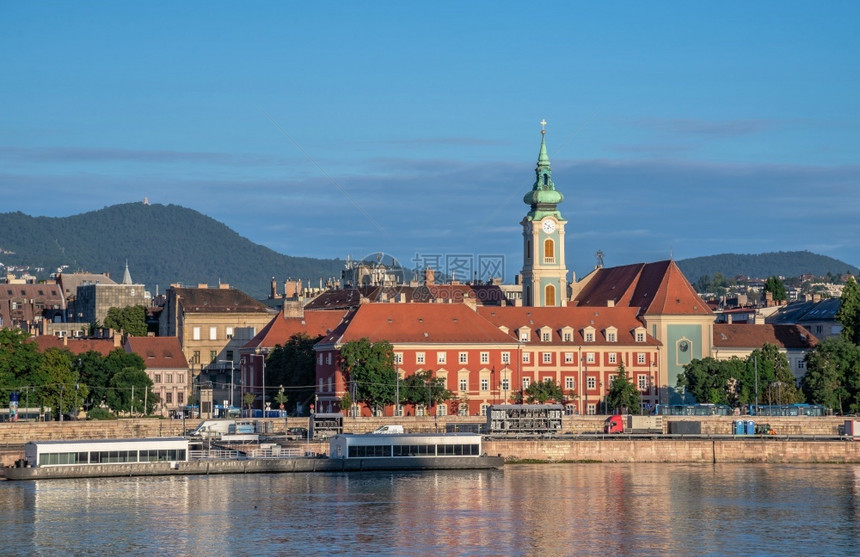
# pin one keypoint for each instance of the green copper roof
(543, 197)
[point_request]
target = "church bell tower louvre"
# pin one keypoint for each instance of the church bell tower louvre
(544, 272)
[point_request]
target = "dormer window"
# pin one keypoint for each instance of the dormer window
(639, 334)
(611, 334)
(588, 334)
(525, 334)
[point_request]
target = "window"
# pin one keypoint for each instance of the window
(441, 410)
(613, 358)
(526, 357)
(592, 410)
(398, 357)
(464, 384)
(180, 398)
(485, 384)
(229, 355)
(320, 359)
(801, 364)
(611, 378)
(195, 333)
(195, 359)
(549, 295)
(592, 383)
(505, 384)
(180, 378)
(610, 337)
(328, 358)
(485, 357)
(506, 357)
(419, 357)
(229, 332)
(569, 383)
(547, 357)
(463, 358)
(642, 381)
(640, 358)
(546, 336)
(547, 379)
(548, 251)
(168, 398)
(484, 408)
(589, 357)
(330, 385)
(419, 410)
(524, 336)
(526, 382)
(157, 378)
(589, 337)
(441, 357)
(169, 378)
(567, 337)
(568, 357)
(213, 333)
(213, 354)
(640, 336)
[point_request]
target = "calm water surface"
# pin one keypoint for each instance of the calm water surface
(559, 509)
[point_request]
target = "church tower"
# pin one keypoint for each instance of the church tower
(544, 272)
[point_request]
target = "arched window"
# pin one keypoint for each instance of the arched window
(548, 251)
(549, 293)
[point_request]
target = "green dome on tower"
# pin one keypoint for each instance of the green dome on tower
(543, 196)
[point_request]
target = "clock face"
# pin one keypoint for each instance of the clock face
(548, 226)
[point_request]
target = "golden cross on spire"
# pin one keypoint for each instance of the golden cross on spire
(543, 126)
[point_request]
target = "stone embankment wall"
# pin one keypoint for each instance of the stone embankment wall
(753, 449)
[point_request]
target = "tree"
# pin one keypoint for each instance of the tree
(345, 403)
(130, 319)
(776, 287)
(292, 365)
(543, 391)
(249, 399)
(776, 382)
(281, 398)
(95, 372)
(57, 385)
(705, 380)
(848, 314)
(423, 388)
(833, 375)
(369, 369)
(18, 357)
(623, 394)
(131, 391)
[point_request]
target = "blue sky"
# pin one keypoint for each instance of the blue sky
(329, 129)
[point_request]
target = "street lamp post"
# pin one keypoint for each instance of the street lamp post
(232, 368)
(263, 368)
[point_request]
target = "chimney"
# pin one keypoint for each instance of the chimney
(293, 308)
(610, 303)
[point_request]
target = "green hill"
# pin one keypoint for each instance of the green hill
(163, 244)
(783, 263)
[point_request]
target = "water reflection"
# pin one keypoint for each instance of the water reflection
(564, 509)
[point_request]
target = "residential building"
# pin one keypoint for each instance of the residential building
(816, 316)
(168, 369)
(211, 324)
(739, 341)
(94, 299)
(581, 350)
(462, 348)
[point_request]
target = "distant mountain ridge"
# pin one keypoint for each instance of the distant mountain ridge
(163, 244)
(788, 264)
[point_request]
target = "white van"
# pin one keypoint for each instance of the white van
(389, 429)
(212, 429)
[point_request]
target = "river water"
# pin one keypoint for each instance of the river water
(540, 509)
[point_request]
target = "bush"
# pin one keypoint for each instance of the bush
(100, 414)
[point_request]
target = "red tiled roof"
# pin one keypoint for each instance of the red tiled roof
(103, 346)
(280, 329)
(755, 336)
(417, 323)
(577, 318)
(158, 352)
(658, 288)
